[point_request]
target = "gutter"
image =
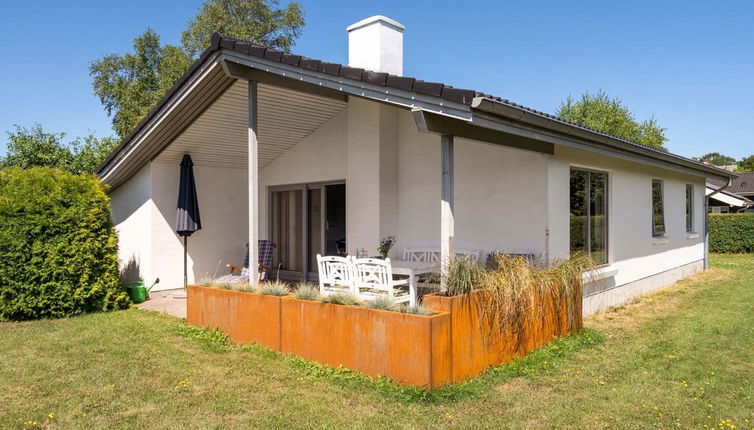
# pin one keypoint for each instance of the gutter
(540, 120)
(721, 189)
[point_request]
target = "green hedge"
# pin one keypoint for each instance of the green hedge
(732, 233)
(58, 248)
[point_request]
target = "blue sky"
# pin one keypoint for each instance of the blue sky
(688, 63)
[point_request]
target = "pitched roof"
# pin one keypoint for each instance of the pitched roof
(743, 184)
(433, 89)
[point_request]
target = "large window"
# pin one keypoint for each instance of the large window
(589, 214)
(658, 212)
(689, 208)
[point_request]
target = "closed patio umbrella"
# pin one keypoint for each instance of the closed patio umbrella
(187, 219)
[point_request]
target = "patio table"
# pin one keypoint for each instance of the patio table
(413, 269)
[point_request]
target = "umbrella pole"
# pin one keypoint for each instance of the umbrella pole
(185, 266)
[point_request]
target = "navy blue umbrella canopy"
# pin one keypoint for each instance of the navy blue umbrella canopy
(187, 218)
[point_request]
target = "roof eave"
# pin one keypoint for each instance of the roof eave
(574, 131)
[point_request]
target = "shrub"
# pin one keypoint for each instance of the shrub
(58, 247)
(306, 291)
(731, 233)
(415, 310)
(274, 288)
(516, 289)
(383, 303)
(347, 299)
(462, 275)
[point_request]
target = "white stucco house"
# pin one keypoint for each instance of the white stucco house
(324, 158)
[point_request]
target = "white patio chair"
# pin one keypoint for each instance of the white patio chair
(374, 277)
(336, 275)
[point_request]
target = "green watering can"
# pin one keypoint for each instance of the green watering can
(138, 292)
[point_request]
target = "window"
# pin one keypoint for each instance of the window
(658, 213)
(689, 208)
(588, 214)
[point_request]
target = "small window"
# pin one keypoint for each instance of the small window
(689, 208)
(658, 213)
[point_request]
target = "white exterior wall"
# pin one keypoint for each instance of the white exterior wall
(505, 199)
(131, 207)
(500, 194)
(223, 202)
(632, 249)
(320, 157)
(144, 215)
(392, 175)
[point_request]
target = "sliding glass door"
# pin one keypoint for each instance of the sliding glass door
(286, 225)
(306, 220)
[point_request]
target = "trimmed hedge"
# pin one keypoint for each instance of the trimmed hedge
(58, 247)
(731, 233)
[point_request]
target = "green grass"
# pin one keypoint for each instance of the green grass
(681, 358)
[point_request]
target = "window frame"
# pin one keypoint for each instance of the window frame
(655, 232)
(689, 208)
(587, 193)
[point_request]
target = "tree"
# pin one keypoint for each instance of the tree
(746, 165)
(257, 20)
(130, 85)
(601, 112)
(33, 147)
(716, 159)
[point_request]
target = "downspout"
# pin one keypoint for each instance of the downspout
(706, 220)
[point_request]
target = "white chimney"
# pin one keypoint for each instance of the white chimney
(376, 43)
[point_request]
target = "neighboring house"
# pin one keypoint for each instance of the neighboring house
(317, 156)
(738, 197)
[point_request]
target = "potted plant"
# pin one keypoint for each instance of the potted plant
(386, 244)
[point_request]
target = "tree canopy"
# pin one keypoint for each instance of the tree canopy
(33, 147)
(746, 165)
(129, 85)
(260, 21)
(716, 159)
(601, 112)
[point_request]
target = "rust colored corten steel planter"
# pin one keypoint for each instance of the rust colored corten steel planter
(411, 349)
(245, 317)
(429, 351)
(475, 346)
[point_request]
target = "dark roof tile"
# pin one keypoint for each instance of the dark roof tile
(374, 77)
(273, 54)
(227, 43)
(743, 184)
(310, 64)
(457, 95)
(351, 72)
(214, 42)
(428, 88)
(329, 68)
(401, 82)
(257, 50)
(290, 59)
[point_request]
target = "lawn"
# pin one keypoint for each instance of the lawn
(678, 359)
